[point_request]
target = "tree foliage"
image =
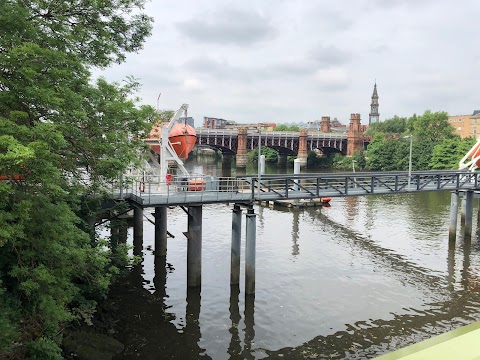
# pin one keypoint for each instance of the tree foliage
(66, 135)
(428, 131)
(271, 156)
(285, 127)
(395, 125)
(447, 154)
(433, 127)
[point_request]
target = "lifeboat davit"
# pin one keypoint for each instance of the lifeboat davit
(182, 137)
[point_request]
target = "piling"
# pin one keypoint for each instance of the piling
(262, 164)
(160, 231)
(236, 243)
(467, 233)
(194, 247)
(296, 171)
(463, 208)
(452, 229)
(251, 233)
(138, 225)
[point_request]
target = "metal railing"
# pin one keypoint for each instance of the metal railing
(202, 189)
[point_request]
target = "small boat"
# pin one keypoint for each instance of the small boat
(182, 137)
(325, 200)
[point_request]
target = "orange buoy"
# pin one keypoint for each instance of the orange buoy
(325, 200)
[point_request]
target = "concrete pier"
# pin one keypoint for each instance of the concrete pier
(467, 233)
(236, 243)
(194, 247)
(452, 228)
(251, 234)
(160, 231)
(463, 209)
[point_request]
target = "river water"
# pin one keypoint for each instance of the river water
(362, 277)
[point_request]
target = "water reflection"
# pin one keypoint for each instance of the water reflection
(295, 227)
(192, 315)
(235, 348)
(249, 327)
(351, 203)
(160, 278)
(451, 266)
(300, 312)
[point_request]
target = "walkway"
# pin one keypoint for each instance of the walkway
(459, 344)
(151, 191)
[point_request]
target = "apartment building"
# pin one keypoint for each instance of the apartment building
(466, 125)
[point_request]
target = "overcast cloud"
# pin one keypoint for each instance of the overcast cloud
(296, 61)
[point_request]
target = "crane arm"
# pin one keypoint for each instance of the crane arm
(183, 109)
(471, 160)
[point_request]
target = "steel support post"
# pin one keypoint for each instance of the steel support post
(236, 242)
(194, 247)
(251, 232)
(467, 234)
(452, 228)
(161, 231)
(137, 228)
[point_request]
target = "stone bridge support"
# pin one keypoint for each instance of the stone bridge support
(302, 147)
(354, 135)
(241, 158)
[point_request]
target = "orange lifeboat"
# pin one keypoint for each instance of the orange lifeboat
(12, 177)
(182, 137)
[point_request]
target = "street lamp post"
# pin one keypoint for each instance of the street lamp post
(259, 158)
(409, 161)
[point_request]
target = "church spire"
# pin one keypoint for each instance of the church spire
(374, 116)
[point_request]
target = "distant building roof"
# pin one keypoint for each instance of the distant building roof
(476, 112)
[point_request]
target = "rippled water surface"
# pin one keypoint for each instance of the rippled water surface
(362, 277)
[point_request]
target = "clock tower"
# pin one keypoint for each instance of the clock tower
(374, 116)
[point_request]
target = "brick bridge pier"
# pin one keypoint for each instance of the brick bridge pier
(355, 141)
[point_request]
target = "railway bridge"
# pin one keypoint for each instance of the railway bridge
(238, 141)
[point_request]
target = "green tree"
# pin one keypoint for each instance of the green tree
(448, 153)
(284, 127)
(396, 125)
(387, 154)
(433, 127)
(67, 136)
(271, 156)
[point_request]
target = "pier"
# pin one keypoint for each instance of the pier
(244, 191)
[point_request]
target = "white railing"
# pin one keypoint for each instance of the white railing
(143, 185)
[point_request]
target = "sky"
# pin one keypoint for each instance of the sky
(291, 61)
